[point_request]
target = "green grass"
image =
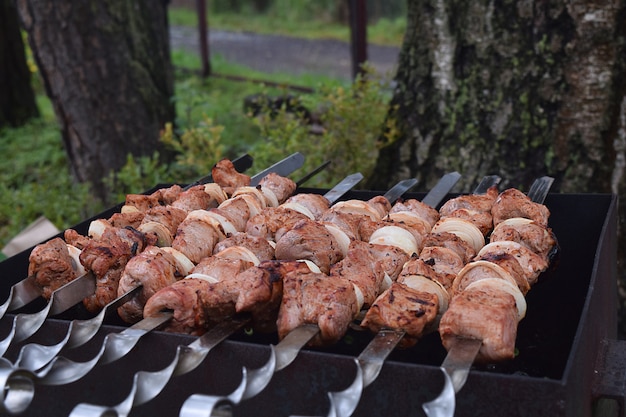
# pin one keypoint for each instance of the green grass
(385, 31)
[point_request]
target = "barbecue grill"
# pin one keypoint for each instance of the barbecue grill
(568, 353)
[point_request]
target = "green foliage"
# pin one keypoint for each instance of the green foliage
(352, 121)
(35, 181)
(137, 175)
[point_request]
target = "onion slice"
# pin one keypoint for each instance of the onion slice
(463, 229)
(422, 283)
(209, 278)
(395, 236)
(77, 266)
(184, 263)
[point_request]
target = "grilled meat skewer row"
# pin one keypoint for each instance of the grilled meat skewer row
(485, 306)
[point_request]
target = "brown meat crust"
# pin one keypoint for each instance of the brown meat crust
(403, 308)
(514, 203)
(310, 240)
(51, 265)
(487, 314)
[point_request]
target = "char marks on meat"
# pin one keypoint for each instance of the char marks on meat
(107, 257)
(51, 265)
(475, 208)
(310, 240)
(403, 308)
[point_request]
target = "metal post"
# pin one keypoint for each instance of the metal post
(358, 31)
(204, 37)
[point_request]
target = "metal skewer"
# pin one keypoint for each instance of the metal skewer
(72, 293)
(463, 351)
(285, 352)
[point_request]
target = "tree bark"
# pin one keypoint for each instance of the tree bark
(17, 100)
(106, 67)
(518, 88)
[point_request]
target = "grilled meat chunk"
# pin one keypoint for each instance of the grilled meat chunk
(107, 257)
(483, 313)
(514, 203)
(475, 208)
(360, 267)
(192, 298)
(540, 240)
(423, 211)
(194, 198)
(225, 175)
(263, 250)
(418, 266)
(310, 240)
(161, 197)
(403, 308)
(316, 298)
(281, 187)
(451, 241)
(196, 237)
(52, 266)
(154, 269)
(271, 220)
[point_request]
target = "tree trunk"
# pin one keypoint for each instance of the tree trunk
(518, 88)
(106, 67)
(17, 100)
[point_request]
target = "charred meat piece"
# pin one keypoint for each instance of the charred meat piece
(390, 258)
(52, 266)
(421, 210)
(281, 187)
(539, 239)
(225, 175)
(310, 240)
(191, 298)
(259, 246)
(403, 308)
(360, 267)
(160, 197)
(316, 298)
(451, 241)
(418, 266)
(194, 198)
(269, 222)
(514, 203)
(107, 257)
(484, 313)
(475, 208)
(154, 269)
(127, 219)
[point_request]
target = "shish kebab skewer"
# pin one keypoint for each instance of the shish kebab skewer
(17, 396)
(34, 356)
(285, 352)
(25, 325)
(463, 351)
(371, 360)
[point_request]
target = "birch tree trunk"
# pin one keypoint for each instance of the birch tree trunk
(518, 88)
(106, 67)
